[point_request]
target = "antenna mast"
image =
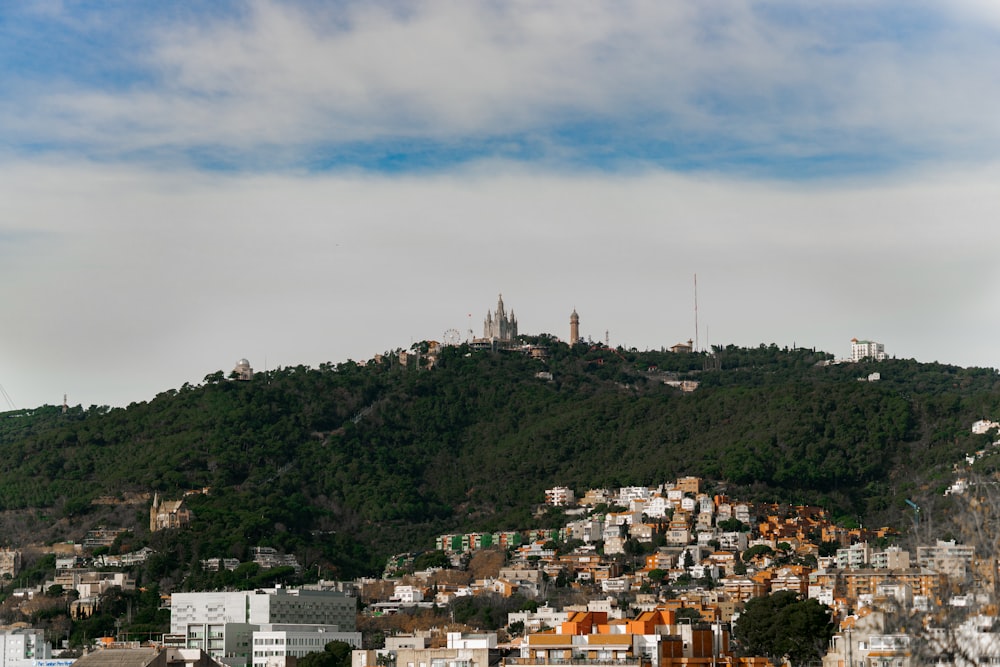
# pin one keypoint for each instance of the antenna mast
(696, 347)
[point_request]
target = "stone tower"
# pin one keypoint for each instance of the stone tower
(574, 328)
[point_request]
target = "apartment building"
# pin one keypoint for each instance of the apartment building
(23, 647)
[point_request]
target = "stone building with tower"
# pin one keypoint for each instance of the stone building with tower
(167, 514)
(574, 328)
(499, 326)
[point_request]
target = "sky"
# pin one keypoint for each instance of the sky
(186, 184)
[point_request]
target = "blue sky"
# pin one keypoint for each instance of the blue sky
(185, 184)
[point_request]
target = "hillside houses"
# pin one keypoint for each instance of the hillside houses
(644, 576)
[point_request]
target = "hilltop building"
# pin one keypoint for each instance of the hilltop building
(867, 349)
(500, 326)
(574, 328)
(683, 348)
(242, 371)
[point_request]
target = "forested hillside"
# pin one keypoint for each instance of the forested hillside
(344, 464)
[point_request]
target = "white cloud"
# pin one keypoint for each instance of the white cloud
(728, 74)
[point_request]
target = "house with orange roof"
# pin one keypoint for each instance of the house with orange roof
(652, 639)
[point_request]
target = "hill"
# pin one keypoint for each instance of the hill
(345, 464)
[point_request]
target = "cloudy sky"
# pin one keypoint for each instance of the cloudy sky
(184, 184)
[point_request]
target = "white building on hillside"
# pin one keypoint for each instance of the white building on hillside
(560, 495)
(867, 349)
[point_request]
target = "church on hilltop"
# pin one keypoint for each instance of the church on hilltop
(499, 326)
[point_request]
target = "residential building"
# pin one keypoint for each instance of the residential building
(268, 557)
(462, 650)
(101, 537)
(23, 647)
(407, 594)
(543, 618)
(854, 556)
(627, 494)
(893, 558)
(948, 558)
(560, 495)
(688, 485)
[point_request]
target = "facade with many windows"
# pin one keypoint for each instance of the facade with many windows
(224, 624)
(22, 647)
(274, 640)
(867, 349)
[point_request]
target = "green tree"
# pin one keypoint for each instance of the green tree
(782, 625)
(733, 525)
(334, 654)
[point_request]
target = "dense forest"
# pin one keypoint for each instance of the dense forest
(345, 464)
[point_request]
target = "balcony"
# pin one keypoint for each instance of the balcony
(636, 662)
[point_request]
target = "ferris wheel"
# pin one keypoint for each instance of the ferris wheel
(452, 337)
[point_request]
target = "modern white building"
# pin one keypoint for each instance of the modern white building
(272, 642)
(627, 494)
(22, 647)
(560, 495)
(407, 595)
(867, 349)
(223, 623)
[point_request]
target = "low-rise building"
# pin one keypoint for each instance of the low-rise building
(273, 641)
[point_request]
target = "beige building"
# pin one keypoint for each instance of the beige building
(166, 514)
(10, 562)
(463, 650)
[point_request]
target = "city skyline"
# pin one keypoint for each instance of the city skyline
(182, 186)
